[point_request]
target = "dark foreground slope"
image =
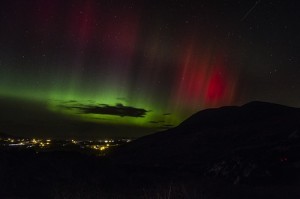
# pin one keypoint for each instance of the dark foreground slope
(256, 143)
(252, 151)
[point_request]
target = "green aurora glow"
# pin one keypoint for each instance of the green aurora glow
(100, 66)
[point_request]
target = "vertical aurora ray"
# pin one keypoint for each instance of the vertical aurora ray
(203, 79)
(98, 59)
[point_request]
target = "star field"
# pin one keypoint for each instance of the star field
(141, 66)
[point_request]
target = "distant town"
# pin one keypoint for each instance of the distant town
(96, 147)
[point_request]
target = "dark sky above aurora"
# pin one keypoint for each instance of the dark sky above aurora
(92, 68)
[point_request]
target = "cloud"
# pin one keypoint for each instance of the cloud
(156, 122)
(104, 109)
(167, 126)
(27, 118)
(72, 101)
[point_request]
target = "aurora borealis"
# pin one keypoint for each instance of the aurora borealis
(92, 68)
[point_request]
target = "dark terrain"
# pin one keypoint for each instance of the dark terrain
(252, 151)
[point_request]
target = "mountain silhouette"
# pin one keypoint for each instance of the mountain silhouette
(258, 140)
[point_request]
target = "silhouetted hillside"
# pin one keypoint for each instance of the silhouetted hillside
(252, 151)
(256, 142)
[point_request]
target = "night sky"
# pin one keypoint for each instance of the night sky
(92, 68)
